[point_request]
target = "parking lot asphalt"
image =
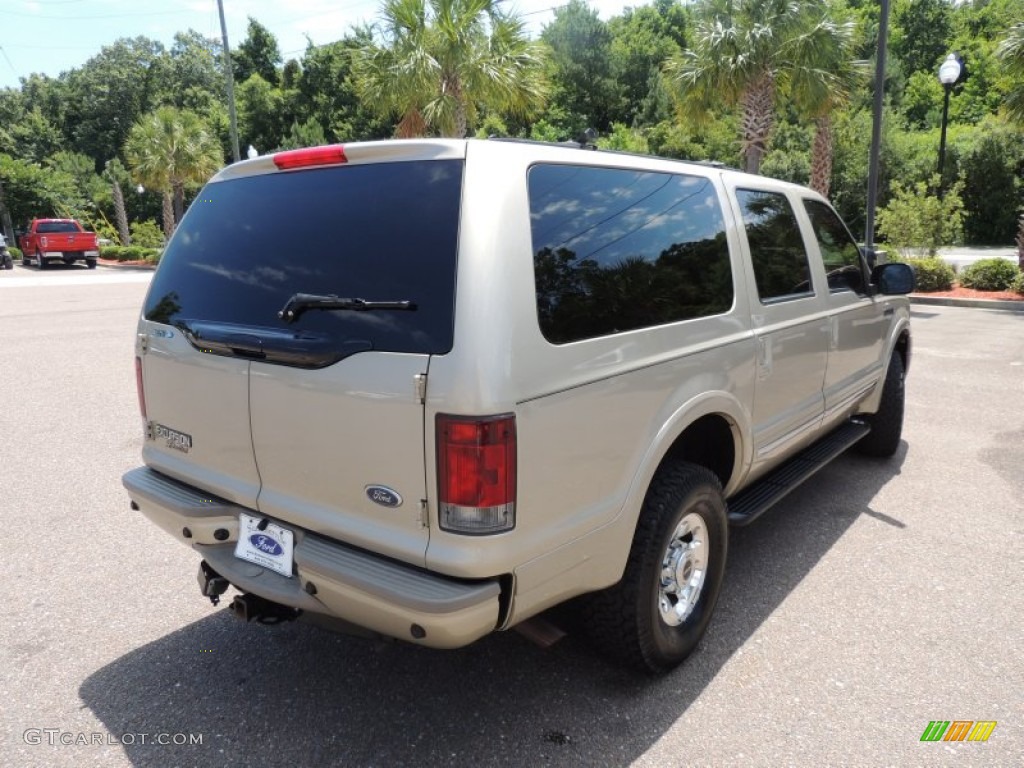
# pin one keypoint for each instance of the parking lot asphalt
(880, 596)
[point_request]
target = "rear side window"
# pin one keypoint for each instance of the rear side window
(839, 251)
(777, 249)
(380, 232)
(616, 250)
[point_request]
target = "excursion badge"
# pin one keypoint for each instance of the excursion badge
(179, 441)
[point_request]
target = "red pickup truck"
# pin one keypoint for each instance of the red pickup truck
(58, 239)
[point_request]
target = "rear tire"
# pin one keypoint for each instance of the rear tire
(887, 423)
(90, 263)
(40, 261)
(657, 614)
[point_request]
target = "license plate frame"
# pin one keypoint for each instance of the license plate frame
(272, 546)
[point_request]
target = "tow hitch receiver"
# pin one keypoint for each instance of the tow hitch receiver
(255, 608)
(211, 583)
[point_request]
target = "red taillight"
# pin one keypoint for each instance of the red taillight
(476, 473)
(303, 158)
(141, 389)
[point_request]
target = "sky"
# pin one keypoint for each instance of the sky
(53, 36)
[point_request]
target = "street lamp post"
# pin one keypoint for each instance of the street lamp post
(951, 72)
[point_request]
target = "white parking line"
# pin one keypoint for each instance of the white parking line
(63, 280)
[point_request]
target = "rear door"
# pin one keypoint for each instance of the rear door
(333, 391)
(789, 324)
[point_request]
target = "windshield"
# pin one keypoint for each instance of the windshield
(380, 232)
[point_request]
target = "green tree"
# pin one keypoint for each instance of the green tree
(168, 150)
(192, 75)
(585, 87)
(31, 191)
(262, 114)
(33, 137)
(921, 32)
(1011, 54)
(823, 79)
(433, 61)
(258, 54)
(327, 91)
(742, 53)
(109, 93)
(642, 39)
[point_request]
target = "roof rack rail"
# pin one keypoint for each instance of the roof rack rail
(588, 140)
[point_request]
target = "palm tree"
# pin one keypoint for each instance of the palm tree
(169, 149)
(1011, 53)
(743, 52)
(433, 61)
(823, 79)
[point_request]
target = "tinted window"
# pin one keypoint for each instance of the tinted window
(53, 227)
(776, 247)
(616, 250)
(838, 249)
(382, 232)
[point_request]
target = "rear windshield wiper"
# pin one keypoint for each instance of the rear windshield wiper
(300, 302)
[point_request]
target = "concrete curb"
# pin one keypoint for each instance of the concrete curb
(117, 265)
(948, 301)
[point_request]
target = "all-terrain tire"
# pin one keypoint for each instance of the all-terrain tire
(887, 422)
(41, 261)
(624, 621)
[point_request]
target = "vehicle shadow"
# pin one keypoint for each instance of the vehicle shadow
(261, 696)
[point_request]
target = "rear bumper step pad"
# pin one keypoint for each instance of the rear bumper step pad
(357, 586)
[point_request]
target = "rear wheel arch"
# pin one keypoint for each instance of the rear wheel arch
(709, 441)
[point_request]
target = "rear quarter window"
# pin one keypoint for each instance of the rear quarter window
(379, 232)
(617, 250)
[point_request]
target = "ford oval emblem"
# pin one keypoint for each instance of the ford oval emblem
(265, 544)
(381, 494)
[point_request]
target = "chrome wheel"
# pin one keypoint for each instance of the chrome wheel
(683, 570)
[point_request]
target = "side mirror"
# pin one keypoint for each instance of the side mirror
(893, 279)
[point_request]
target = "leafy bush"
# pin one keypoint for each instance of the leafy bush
(111, 252)
(989, 275)
(932, 274)
(917, 218)
(147, 234)
(134, 253)
(129, 253)
(15, 252)
(1017, 285)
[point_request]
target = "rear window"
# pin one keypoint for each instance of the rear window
(381, 232)
(53, 227)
